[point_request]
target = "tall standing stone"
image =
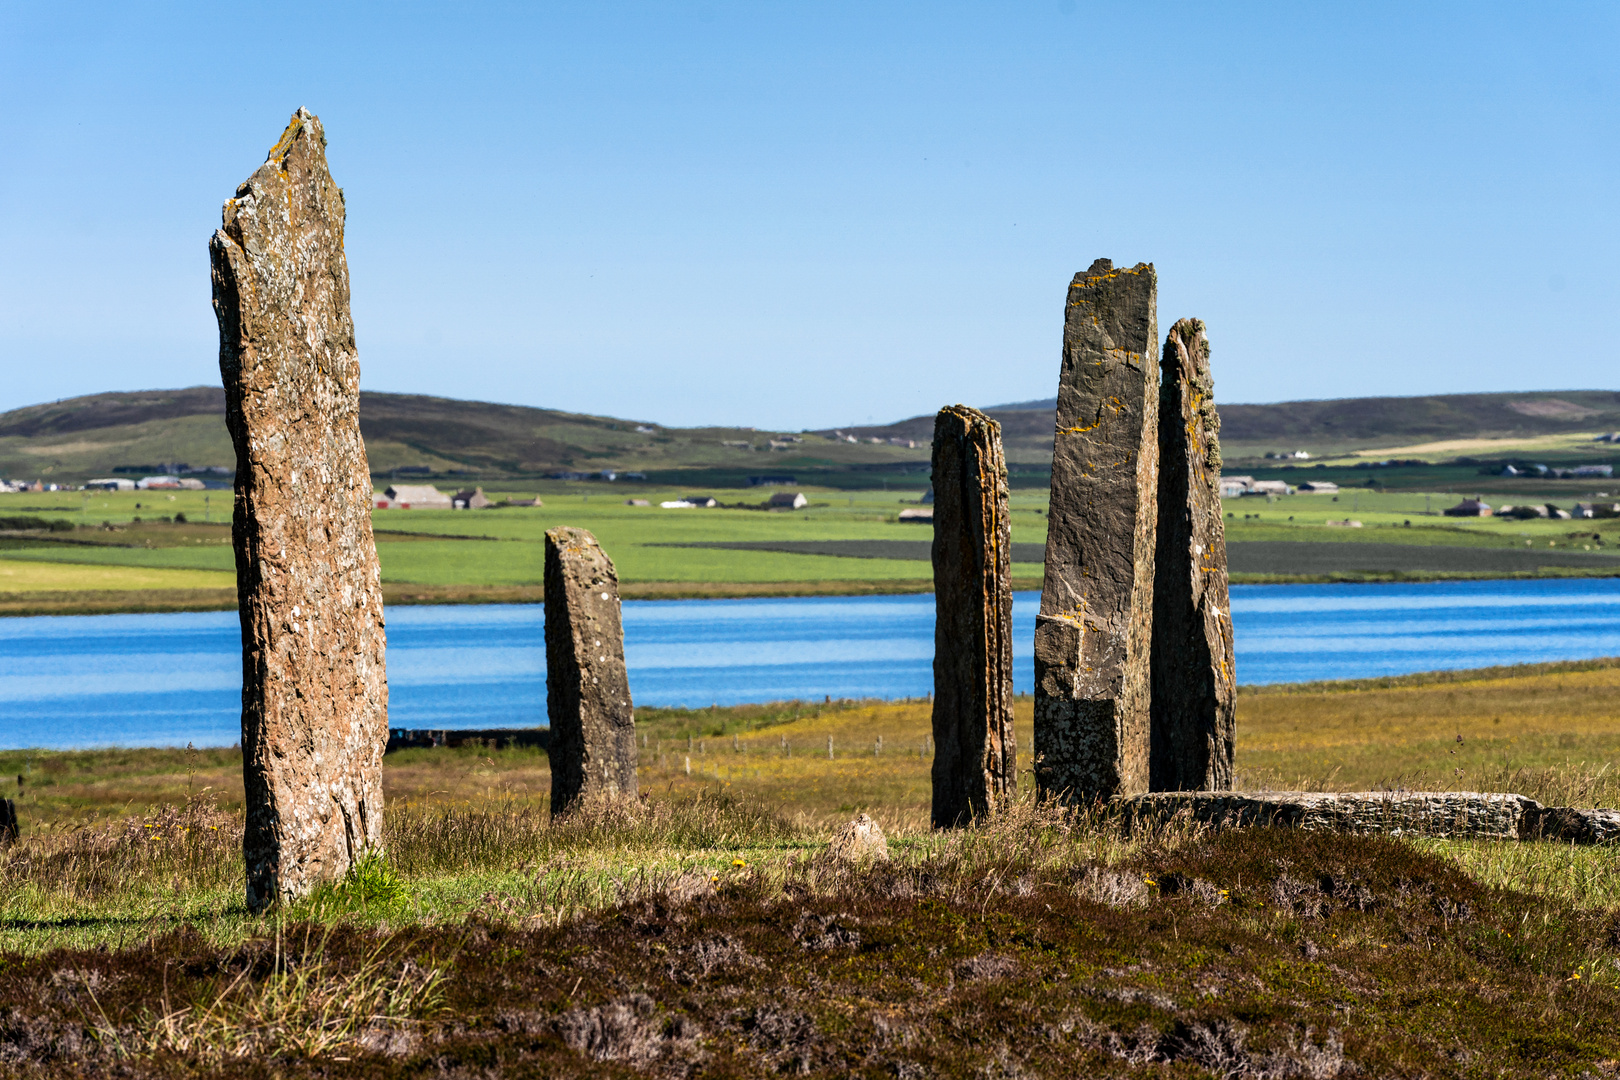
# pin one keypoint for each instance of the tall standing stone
(1194, 680)
(314, 688)
(975, 752)
(1093, 634)
(593, 729)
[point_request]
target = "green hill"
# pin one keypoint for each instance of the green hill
(1331, 427)
(411, 434)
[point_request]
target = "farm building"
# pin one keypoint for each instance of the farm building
(1469, 508)
(788, 500)
(411, 497)
(470, 500)
(1233, 486)
(1319, 487)
(918, 517)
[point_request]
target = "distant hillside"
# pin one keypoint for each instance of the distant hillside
(101, 434)
(104, 434)
(1336, 426)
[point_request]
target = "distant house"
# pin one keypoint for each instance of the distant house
(1582, 510)
(1584, 471)
(787, 500)
(637, 502)
(168, 483)
(1269, 487)
(1524, 511)
(772, 481)
(110, 483)
(1319, 487)
(1469, 508)
(470, 500)
(918, 517)
(909, 444)
(1234, 486)
(412, 497)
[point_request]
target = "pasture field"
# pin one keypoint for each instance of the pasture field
(497, 555)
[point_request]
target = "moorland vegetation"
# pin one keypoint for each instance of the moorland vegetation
(704, 929)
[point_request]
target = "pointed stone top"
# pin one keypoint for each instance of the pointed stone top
(298, 159)
(1187, 348)
(303, 123)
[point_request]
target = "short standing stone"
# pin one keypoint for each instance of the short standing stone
(1093, 634)
(975, 760)
(593, 731)
(10, 828)
(1194, 680)
(314, 689)
(859, 841)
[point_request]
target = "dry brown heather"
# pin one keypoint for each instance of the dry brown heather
(1039, 945)
(701, 932)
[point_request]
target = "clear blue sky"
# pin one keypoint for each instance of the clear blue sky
(806, 214)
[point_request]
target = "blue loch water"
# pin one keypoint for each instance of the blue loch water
(158, 680)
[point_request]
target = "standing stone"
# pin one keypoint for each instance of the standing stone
(1093, 633)
(975, 752)
(10, 829)
(314, 689)
(593, 728)
(1194, 680)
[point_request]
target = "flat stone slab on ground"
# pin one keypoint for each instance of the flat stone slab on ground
(1457, 815)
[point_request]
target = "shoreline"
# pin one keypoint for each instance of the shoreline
(160, 601)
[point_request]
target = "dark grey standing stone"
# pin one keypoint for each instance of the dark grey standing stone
(309, 589)
(10, 829)
(975, 755)
(1194, 678)
(1093, 634)
(593, 730)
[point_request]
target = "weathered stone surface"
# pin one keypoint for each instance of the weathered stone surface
(1571, 825)
(975, 751)
(1194, 706)
(1093, 634)
(593, 728)
(861, 840)
(1460, 814)
(314, 688)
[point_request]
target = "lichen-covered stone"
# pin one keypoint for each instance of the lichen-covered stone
(593, 729)
(1458, 814)
(1093, 634)
(1571, 825)
(1194, 704)
(975, 751)
(314, 688)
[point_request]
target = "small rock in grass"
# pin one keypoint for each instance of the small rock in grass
(860, 840)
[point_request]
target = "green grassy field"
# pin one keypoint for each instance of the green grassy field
(497, 554)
